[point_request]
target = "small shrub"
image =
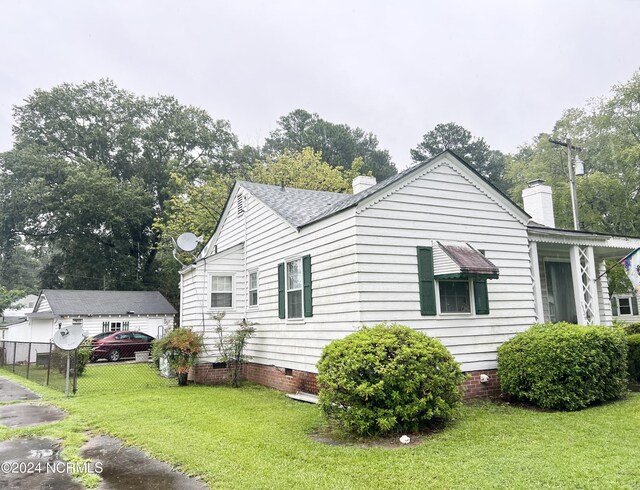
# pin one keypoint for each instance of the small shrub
(181, 347)
(59, 360)
(387, 379)
(564, 366)
(633, 341)
(631, 328)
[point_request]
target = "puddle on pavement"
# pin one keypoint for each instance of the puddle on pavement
(25, 415)
(125, 468)
(11, 391)
(34, 463)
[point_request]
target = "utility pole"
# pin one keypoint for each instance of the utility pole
(572, 178)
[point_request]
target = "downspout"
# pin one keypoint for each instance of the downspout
(246, 274)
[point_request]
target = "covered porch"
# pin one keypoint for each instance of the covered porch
(567, 270)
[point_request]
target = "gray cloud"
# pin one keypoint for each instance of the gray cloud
(505, 70)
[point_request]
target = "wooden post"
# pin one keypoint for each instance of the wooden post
(28, 359)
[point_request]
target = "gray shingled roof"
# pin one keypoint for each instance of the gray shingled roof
(297, 206)
(302, 207)
(74, 302)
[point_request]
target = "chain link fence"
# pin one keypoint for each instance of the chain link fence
(116, 367)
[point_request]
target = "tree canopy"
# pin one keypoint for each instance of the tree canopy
(339, 144)
(475, 151)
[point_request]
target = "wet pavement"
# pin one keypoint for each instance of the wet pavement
(34, 463)
(11, 391)
(125, 468)
(25, 415)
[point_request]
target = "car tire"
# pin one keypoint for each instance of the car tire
(114, 355)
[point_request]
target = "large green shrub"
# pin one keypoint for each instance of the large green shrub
(386, 379)
(564, 366)
(633, 341)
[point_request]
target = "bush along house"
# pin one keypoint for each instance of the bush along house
(435, 247)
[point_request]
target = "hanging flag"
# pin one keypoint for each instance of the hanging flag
(631, 265)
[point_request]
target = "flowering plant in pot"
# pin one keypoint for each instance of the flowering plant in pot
(180, 347)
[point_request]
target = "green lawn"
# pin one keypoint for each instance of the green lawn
(254, 437)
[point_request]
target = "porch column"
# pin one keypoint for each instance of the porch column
(536, 283)
(591, 288)
(576, 278)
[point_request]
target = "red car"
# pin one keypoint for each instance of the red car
(115, 346)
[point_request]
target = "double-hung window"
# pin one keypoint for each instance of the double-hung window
(253, 288)
(222, 291)
(455, 296)
(455, 283)
(294, 288)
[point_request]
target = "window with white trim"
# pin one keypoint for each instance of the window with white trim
(253, 288)
(115, 326)
(294, 288)
(222, 291)
(624, 306)
(455, 296)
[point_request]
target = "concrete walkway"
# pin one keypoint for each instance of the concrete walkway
(34, 463)
(125, 468)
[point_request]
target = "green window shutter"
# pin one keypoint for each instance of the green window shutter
(306, 282)
(614, 306)
(281, 293)
(426, 281)
(634, 305)
(481, 296)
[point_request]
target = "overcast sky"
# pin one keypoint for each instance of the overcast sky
(505, 70)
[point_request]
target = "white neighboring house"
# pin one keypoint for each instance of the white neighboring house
(14, 319)
(435, 247)
(96, 312)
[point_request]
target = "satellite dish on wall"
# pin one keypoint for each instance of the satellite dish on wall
(69, 338)
(187, 242)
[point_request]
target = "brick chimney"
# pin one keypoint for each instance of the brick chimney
(362, 182)
(538, 203)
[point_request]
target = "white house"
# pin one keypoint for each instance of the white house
(436, 247)
(96, 312)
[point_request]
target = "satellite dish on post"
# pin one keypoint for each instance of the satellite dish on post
(69, 338)
(188, 242)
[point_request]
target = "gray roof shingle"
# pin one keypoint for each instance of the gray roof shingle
(77, 302)
(297, 206)
(302, 207)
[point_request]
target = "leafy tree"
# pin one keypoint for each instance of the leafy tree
(475, 151)
(19, 268)
(305, 170)
(339, 144)
(8, 297)
(198, 206)
(90, 171)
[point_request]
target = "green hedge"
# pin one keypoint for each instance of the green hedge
(633, 341)
(631, 328)
(564, 366)
(387, 379)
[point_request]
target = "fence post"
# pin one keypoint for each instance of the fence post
(75, 373)
(4, 353)
(28, 359)
(15, 345)
(49, 363)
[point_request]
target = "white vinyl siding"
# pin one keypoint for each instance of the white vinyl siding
(445, 204)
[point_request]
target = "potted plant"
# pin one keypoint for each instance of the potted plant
(180, 347)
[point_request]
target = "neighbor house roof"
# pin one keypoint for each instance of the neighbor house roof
(80, 302)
